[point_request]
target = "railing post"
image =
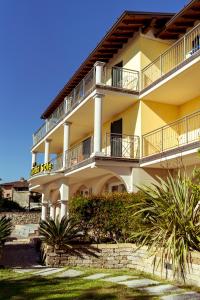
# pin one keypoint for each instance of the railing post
(184, 47)
(186, 125)
(162, 140)
(161, 71)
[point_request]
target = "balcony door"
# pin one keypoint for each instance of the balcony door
(117, 75)
(116, 138)
(86, 150)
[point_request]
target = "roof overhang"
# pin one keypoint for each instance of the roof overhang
(181, 21)
(126, 26)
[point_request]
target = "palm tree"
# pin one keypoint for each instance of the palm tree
(169, 222)
(5, 229)
(60, 234)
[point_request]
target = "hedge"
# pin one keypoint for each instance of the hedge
(106, 218)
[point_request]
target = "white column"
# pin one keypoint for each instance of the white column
(66, 142)
(44, 211)
(52, 211)
(98, 123)
(63, 210)
(64, 197)
(99, 72)
(46, 151)
(57, 211)
(34, 158)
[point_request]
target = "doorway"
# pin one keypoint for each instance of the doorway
(116, 138)
(117, 75)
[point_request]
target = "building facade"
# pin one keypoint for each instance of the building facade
(129, 113)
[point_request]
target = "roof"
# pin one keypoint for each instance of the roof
(179, 24)
(16, 184)
(129, 23)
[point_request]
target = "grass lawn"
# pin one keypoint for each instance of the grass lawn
(17, 286)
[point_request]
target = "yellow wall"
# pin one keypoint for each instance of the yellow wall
(189, 107)
(155, 115)
(138, 52)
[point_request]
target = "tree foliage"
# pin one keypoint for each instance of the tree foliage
(107, 217)
(5, 229)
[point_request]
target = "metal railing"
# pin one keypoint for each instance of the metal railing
(122, 145)
(81, 91)
(184, 48)
(121, 78)
(115, 77)
(39, 134)
(176, 134)
(78, 153)
(57, 163)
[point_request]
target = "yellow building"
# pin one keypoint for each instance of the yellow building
(130, 112)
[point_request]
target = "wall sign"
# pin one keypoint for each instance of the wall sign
(41, 168)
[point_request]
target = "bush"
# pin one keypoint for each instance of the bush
(8, 205)
(5, 229)
(168, 221)
(60, 234)
(108, 217)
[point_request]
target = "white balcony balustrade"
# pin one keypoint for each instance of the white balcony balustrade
(173, 57)
(179, 133)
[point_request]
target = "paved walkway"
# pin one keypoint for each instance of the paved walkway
(148, 286)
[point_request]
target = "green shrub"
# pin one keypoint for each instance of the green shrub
(107, 217)
(9, 205)
(168, 221)
(59, 234)
(5, 229)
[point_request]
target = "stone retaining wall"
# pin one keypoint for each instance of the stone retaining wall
(117, 256)
(22, 218)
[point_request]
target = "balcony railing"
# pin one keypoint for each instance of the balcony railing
(176, 134)
(115, 77)
(114, 145)
(122, 146)
(184, 48)
(57, 163)
(121, 78)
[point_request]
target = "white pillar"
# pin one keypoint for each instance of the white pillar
(52, 211)
(66, 142)
(34, 158)
(57, 211)
(98, 123)
(63, 210)
(64, 197)
(46, 151)
(99, 72)
(44, 211)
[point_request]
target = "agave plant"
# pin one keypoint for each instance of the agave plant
(5, 229)
(169, 223)
(59, 234)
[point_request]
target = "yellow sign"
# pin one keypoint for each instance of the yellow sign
(41, 168)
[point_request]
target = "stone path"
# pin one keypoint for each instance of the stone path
(148, 286)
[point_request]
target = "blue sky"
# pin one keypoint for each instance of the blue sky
(42, 43)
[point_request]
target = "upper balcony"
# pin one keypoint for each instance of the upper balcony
(179, 66)
(173, 139)
(115, 78)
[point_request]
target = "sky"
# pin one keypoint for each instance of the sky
(42, 43)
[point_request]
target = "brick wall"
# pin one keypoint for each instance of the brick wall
(22, 218)
(117, 256)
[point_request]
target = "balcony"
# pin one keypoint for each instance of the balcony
(120, 79)
(184, 49)
(183, 134)
(115, 146)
